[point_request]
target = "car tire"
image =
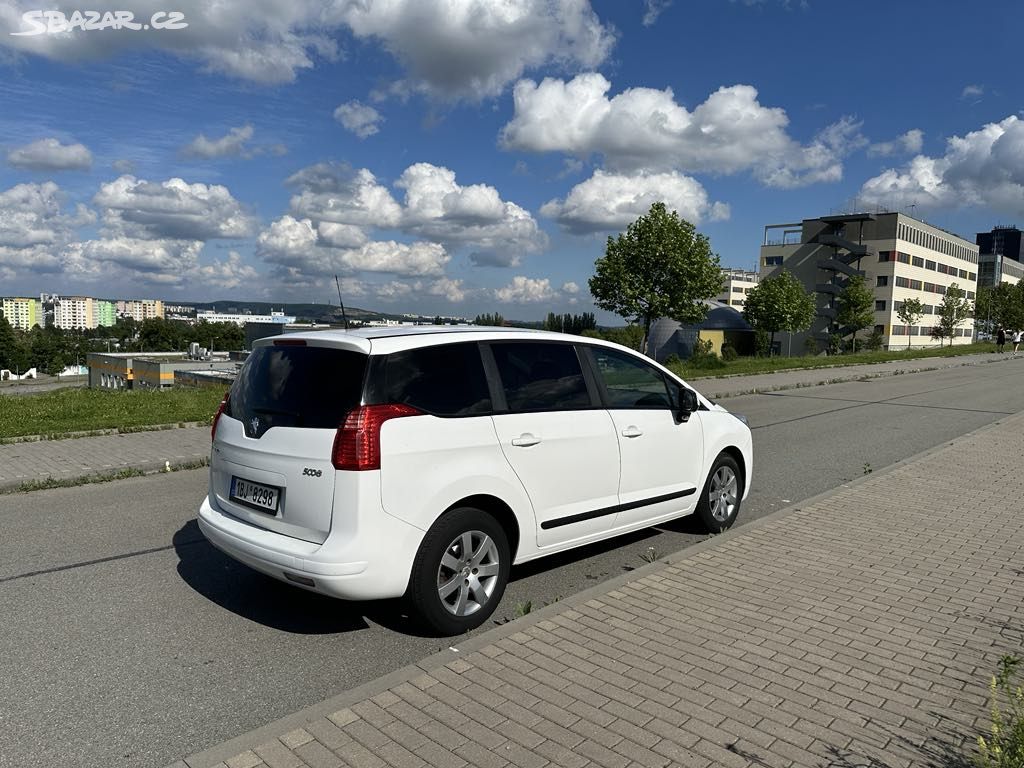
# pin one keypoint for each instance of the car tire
(720, 499)
(460, 571)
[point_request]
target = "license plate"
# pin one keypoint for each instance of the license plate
(263, 497)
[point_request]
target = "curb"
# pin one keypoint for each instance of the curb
(101, 432)
(109, 475)
(222, 752)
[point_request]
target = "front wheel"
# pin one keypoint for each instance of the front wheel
(720, 500)
(460, 571)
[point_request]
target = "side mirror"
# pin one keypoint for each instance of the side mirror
(687, 404)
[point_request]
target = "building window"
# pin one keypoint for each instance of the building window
(881, 281)
(880, 305)
(879, 329)
(971, 276)
(902, 282)
(929, 287)
(929, 264)
(773, 261)
(899, 330)
(940, 289)
(915, 284)
(737, 289)
(963, 274)
(970, 294)
(928, 309)
(883, 255)
(902, 258)
(918, 261)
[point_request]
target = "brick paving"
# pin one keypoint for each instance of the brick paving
(84, 456)
(857, 629)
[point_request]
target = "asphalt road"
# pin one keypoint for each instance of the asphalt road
(128, 641)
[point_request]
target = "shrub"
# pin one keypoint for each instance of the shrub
(762, 343)
(729, 352)
(810, 346)
(673, 361)
(703, 355)
(835, 344)
(874, 341)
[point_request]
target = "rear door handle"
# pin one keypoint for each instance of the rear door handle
(525, 440)
(632, 431)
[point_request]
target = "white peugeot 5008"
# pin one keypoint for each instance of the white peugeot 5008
(425, 461)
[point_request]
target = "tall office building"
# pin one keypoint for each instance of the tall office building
(999, 256)
(736, 286)
(900, 258)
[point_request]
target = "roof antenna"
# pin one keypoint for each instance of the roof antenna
(343, 317)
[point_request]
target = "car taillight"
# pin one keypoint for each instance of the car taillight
(357, 444)
(220, 410)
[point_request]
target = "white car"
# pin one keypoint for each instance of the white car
(425, 461)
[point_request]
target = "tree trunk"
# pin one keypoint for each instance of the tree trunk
(771, 345)
(646, 345)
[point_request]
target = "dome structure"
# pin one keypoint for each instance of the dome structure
(723, 323)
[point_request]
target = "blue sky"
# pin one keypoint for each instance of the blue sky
(464, 156)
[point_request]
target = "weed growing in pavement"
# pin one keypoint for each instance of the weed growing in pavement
(1005, 746)
(649, 555)
(867, 468)
(523, 608)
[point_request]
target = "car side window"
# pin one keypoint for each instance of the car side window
(630, 382)
(443, 380)
(540, 376)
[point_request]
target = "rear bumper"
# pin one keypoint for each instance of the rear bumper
(381, 569)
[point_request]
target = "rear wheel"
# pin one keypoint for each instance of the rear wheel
(460, 571)
(720, 500)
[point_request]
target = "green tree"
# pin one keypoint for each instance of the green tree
(12, 348)
(491, 320)
(779, 303)
(954, 309)
(910, 313)
(856, 306)
(660, 267)
(1000, 305)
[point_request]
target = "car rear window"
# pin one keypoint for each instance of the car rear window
(443, 380)
(296, 386)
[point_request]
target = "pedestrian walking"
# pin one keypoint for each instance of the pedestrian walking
(1017, 335)
(1000, 339)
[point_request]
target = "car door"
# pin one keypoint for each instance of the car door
(557, 438)
(660, 456)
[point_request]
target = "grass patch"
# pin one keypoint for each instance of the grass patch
(77, 410)
(750, 365)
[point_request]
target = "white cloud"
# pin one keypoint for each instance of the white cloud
(34, 228)
(162, 260)
(297, 244)
(450, 48)
(608, 201)
(435, 207)
(983, 168)
(452, 290)
(909, 143)
(468, 48)
(171, 209)
(51, 155)
(972, 92)
(335, 193)
(227, 274)
(570, 288)
(653, 9)
(441, 210)
(526, 290)
(644, 128)
(231, 144)
(123, 166)
(358, 118)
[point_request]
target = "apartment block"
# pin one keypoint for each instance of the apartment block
(105, 312)
(900, 257)
(736, 286)
(140, 310)
(71, 312)
(21, 312)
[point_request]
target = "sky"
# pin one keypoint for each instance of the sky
(458, 157)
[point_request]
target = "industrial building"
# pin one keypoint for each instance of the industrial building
(148, 370)
(899, 256)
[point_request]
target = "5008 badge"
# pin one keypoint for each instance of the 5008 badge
(311, 472)
(55, 22)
